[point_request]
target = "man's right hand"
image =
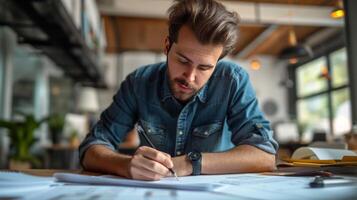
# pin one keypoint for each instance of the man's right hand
(149, 164)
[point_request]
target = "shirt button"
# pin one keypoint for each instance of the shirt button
(178, 153)
(180, 132)
(259, 125)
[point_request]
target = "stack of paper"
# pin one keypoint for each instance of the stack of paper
(317, 157)
(167, 183)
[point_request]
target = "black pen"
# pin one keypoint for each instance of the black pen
(142, 132)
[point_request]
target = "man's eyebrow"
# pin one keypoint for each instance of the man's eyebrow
(190, 61)
(183, 56)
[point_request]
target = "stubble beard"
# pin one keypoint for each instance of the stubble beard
(177, 93)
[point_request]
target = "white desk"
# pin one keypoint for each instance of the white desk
(236, 186)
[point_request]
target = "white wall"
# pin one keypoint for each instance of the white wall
(118, 66)
(129, 61)
(110, 69)
(266, 82)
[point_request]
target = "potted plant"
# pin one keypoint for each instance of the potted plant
(56, 124)
(74, 139)
(22, 138)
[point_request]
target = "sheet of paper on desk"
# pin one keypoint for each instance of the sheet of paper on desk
(169, 183)
(15, 182)
(240, 186)
(277, 187)
(90, 192)
(259, 186)
(255, 186)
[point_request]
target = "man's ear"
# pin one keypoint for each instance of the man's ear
(167, 45)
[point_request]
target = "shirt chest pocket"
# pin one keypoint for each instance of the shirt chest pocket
(155, 133)
(206, 137)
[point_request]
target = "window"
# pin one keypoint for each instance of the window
(1, 74)
(25, 70)
(309, 77)
(339, 68)
(323, 99)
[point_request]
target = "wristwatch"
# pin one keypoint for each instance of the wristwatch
(195, 157)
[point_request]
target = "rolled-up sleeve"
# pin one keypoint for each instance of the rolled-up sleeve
(116, 121)
(246, 121)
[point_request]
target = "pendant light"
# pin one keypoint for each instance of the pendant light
(255, 64)
(338, 12)
(295, 51)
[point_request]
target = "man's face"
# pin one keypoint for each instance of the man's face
(190, 64)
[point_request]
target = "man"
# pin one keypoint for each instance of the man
(200, 113)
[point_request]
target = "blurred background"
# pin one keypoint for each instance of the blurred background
(61, 61)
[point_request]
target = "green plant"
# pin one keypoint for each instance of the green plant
(74, 134)
(22, 138)
(56, 124)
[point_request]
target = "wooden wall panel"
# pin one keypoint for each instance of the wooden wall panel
(135, 34)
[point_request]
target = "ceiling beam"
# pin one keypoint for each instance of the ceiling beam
(278, 40)
(275, 39)
(258, 13)
(257, 41)
(322, 35)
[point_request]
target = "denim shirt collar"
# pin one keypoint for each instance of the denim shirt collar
(166, 93)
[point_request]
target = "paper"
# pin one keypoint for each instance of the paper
(321, 153)
(168, 183)
(263, 187)
(90, 192)
(232, 186)
(15, 182)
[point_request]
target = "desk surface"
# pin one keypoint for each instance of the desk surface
(50, 172)
(236, 186)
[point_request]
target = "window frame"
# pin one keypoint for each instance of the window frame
(293, 92)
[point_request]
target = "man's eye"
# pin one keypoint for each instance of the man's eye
(203, 68)
(183, 61)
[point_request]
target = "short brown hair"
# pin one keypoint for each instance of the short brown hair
(210, 21)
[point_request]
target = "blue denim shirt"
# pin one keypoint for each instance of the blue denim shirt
(222, 115)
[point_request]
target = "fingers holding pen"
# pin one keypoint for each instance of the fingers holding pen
(156, 155)
(150, 164)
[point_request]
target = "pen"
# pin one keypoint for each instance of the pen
(142, 132)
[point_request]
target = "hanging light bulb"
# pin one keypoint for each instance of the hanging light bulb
(293, 60)
(295, 51)
(255, 64)
(292, 37)
(338, 12)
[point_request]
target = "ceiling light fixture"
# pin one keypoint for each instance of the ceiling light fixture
(295, 51)
(338, 12)
(255, 64)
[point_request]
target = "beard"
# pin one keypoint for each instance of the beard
(182, 95)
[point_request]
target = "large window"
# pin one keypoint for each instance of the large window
(25, 70)
(1, 74)
(2, 71)
(323, 99)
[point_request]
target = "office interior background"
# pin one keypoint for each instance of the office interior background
(61, 62)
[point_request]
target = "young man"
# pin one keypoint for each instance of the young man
(200, 113)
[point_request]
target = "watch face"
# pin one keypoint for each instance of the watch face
(194, 156)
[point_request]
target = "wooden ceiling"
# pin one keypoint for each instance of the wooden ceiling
(134, 34)
(139, 34)
(278, 40)
(295, 2)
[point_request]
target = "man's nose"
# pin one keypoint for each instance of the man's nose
(190, 74)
